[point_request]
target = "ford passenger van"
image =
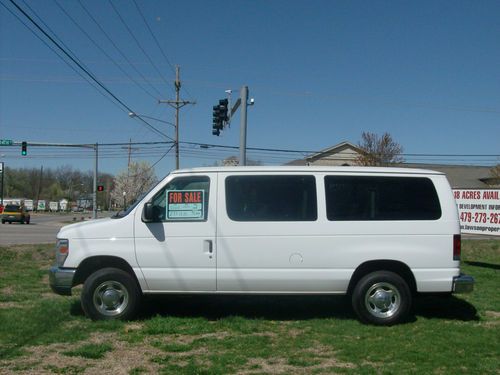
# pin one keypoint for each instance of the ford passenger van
(379, 235)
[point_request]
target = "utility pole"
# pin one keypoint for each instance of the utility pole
(177, 104)
(94, 192)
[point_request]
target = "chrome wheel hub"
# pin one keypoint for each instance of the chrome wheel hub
(110, 298)
(382, 300)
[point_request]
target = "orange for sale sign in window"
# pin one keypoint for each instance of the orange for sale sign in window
(185, 205)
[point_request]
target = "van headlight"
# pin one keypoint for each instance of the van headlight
(62, 251)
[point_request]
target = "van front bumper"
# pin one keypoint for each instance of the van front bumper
(61, 280)
(463, 284)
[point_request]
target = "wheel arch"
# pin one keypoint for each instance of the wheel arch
(395, 266)
(95, 263)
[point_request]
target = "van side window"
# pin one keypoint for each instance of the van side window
(271, 198)
(381, 198)
(183, 199)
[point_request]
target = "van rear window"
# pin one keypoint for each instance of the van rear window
(271, 198)
(381, 198)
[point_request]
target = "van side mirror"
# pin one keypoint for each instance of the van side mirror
(147, 213)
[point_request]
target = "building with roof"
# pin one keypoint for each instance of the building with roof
(459, 176)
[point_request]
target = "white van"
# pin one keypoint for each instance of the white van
(379, 235)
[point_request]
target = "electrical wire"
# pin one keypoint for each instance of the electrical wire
(126, 108)
(136, 41)
(155, 149)
(59, 55)
(103, 50)
(153, 36)
(89, 14)
(158, 44)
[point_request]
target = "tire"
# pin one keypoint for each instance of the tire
(109, 294)
(28, 221)
(3, 221)
(381, 298)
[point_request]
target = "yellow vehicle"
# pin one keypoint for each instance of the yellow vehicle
(15, 212)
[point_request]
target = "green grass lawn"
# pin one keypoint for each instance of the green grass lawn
(41, 332)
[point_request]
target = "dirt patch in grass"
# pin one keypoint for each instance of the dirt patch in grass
(8, 291)
(186, 339)
(133, 326)
(493, 314)
(281, 366)
(294, 332)
(11, 305)
(122, 359)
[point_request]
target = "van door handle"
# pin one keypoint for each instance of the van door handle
(208, 247)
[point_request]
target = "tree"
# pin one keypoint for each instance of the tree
(132, 183)
(379, 150)
(494, 179)
(495, 171)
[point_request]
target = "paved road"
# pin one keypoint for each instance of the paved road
(42, 228)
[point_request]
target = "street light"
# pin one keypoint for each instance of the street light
(176, 141)
(133, 114)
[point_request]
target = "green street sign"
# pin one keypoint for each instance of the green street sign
(6, 142)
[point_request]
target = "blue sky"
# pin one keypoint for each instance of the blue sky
(321, 72)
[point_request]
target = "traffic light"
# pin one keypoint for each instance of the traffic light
(100, 187)
(223, 108)
(24, 148)
(220, 116)
(217, 121)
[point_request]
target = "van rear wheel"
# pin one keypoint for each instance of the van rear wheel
(381, 298)
(110, 293)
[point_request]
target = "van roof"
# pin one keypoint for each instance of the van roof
(309, 169)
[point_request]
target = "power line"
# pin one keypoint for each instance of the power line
(58, 54)
(87, 72)
(118, 48)
(102, 49)
(157, 43)
(218, 152)
(154, 37)
(215, 146)
(136, 41)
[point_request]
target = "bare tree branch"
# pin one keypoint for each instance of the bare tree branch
(379, 150)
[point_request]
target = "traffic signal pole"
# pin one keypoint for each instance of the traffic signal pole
(221, 119)
(243, 126)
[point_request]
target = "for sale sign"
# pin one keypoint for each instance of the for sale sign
(185, 205)
(479, 210)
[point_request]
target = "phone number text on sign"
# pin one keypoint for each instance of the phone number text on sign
(479, 210)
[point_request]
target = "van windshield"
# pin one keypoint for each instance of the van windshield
(130, 208)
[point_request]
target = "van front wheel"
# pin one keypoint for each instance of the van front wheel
(381, 298)
(110, 293)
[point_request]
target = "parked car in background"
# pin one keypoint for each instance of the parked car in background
(15, 212)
